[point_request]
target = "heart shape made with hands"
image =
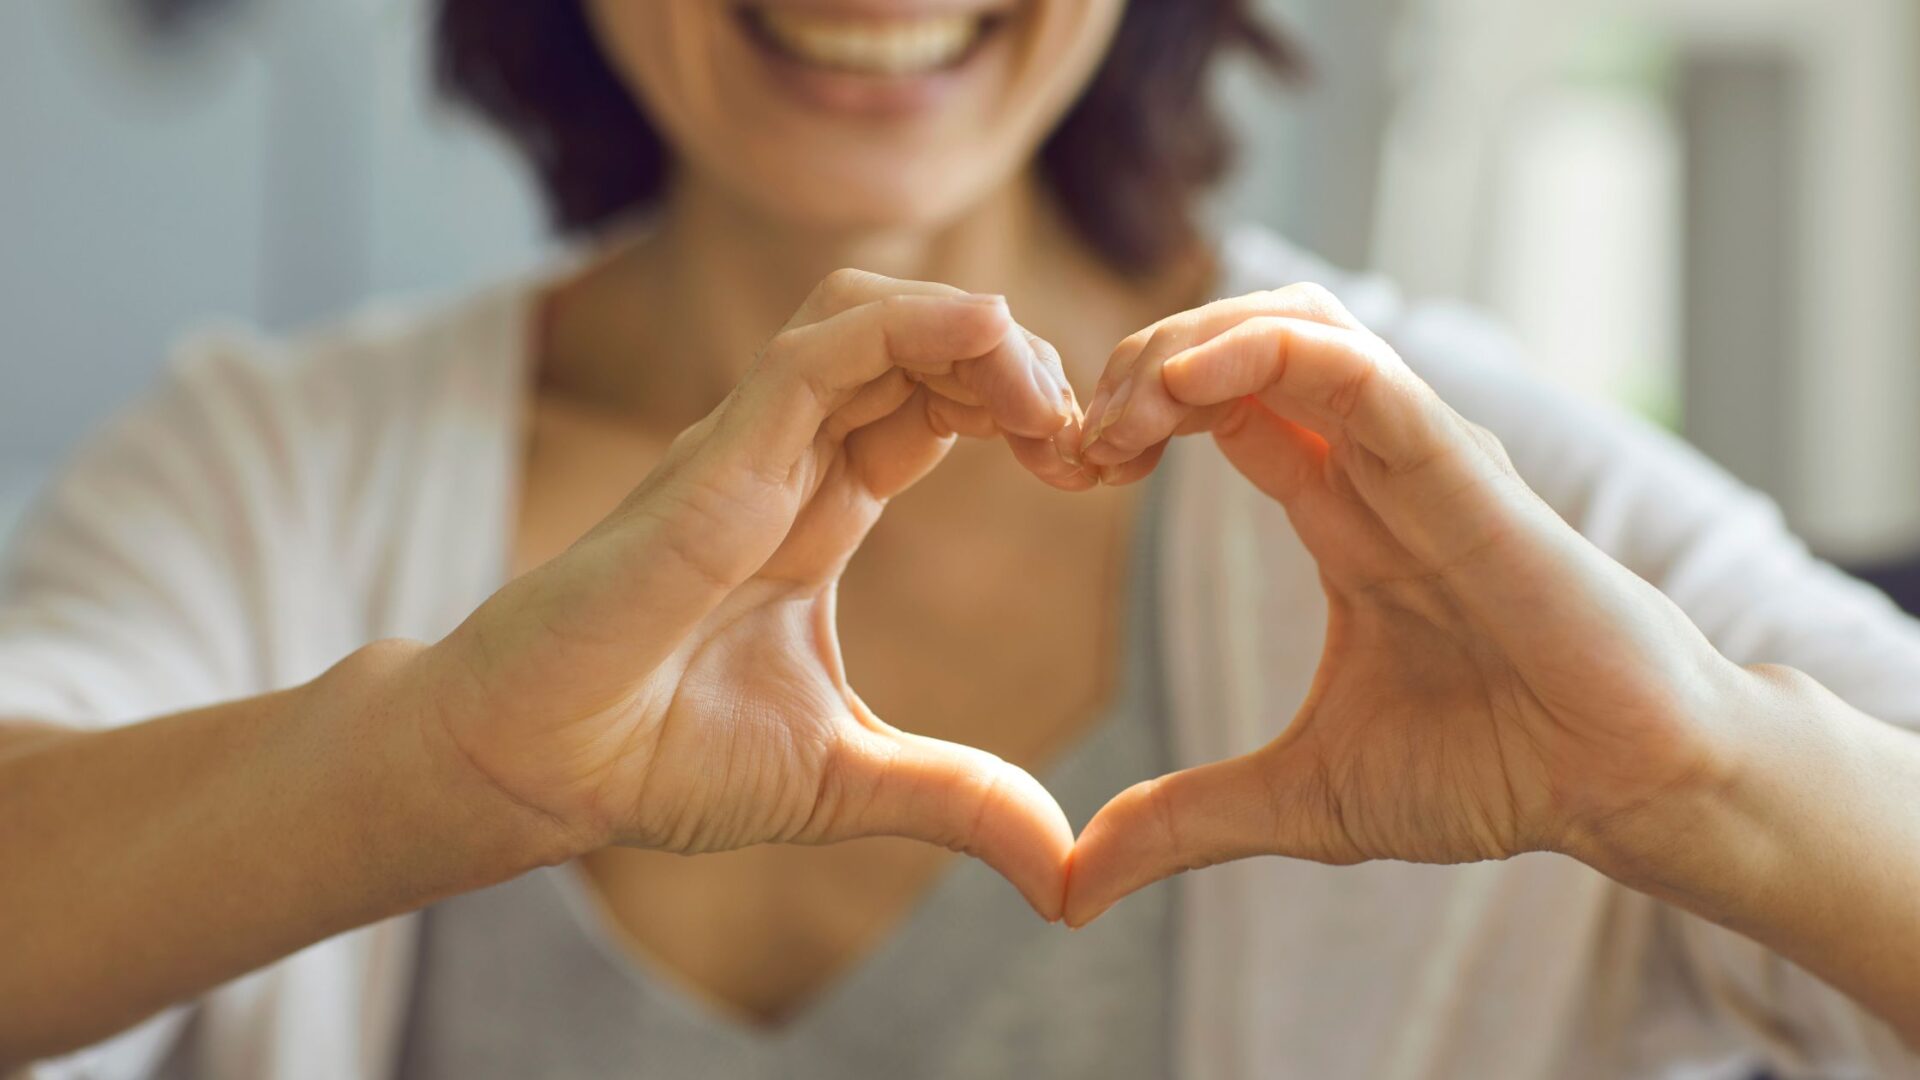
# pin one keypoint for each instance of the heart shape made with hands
(674, 680)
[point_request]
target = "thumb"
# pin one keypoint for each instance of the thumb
(960, 798)
(1256, 804)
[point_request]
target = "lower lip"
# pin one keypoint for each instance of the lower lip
(859, 94)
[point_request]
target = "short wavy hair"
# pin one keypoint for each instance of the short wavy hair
(1127, 162)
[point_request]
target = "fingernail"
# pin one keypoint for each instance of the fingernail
(1116, 410)
(1048, 392)
(1107, 408)
(1063, 388)
(991, 299)
(1096, 408)
(1050, 384)
(1071, 437)
(1087, 448)
(1060, 447)
(1056, 388)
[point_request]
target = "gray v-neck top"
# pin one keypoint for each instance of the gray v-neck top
(526, 979)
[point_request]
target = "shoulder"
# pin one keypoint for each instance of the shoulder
(383, 370)
(240, 416)
(237, 527)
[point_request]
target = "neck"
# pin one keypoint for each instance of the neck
(667, 324)
(720, 246)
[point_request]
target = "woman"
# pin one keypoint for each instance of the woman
(547, 581)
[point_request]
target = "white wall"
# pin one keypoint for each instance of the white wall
(129, 197)
(278, 172)
(1845, 460)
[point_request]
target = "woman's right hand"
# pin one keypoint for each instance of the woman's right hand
(674, 679)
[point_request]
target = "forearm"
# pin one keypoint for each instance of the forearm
(152, 862)
(1809, 843)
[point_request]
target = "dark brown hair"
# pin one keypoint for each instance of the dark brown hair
(1126, 162)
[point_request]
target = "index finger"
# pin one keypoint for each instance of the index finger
(1339, 382)
(1144, 350)
(849, 288)
(1020, 380)
(1016, 380)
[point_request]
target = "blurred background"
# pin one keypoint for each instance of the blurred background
(1708, 210)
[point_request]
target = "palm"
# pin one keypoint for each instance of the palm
(1472, 693)
(760, 703)
(1422, 762)
(760, 699)
(1477, 690)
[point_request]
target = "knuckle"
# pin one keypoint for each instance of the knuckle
(1131, 346)
(782, 351)
(837, 801)
(988, 794)
(786, 362)
(1351, 389)
(687, 519)
(1312, 292)
(839, 290)
(1377, 369)
(1159, 800)
(1264, 327)
(1167, 339)
(1490, 443)
(892, 308)
(691, 438)
(1267, 337)
(1317, 302)
(1313, 297)
(947, 418)
(843, 281)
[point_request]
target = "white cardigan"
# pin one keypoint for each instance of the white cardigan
(274, 506)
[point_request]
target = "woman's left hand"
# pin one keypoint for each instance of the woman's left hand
(1491, 683)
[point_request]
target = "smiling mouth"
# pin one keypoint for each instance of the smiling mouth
(895, 46)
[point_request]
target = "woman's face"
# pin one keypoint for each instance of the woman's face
(857, 114)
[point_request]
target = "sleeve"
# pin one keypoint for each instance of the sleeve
(1723, 553)
(133, 590)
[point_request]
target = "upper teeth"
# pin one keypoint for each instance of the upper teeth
(896, 46)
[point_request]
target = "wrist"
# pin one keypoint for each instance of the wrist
(1807, 845)
(394, 695)
(1730, 827)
